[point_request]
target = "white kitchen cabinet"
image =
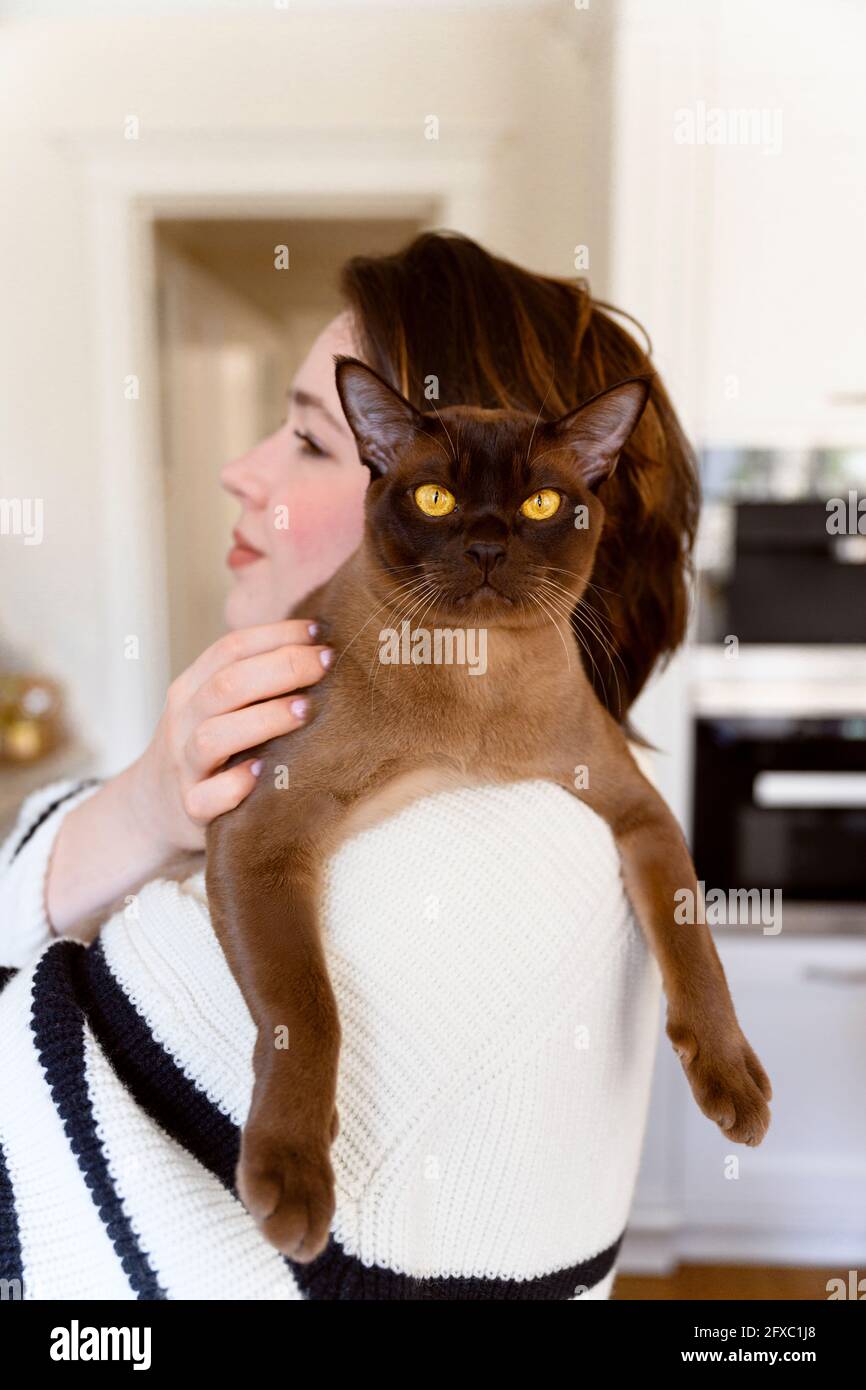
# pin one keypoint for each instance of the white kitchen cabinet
(744, 262)
(800, 1198)
(740, 213)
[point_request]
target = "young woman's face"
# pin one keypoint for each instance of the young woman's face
(301, 492)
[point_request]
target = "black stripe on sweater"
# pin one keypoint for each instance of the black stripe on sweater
(179, 1107)
(58, 1029)
(11, 1263)
(337, 1275)
(49, 811)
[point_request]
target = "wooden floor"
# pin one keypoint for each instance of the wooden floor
(726, 1281)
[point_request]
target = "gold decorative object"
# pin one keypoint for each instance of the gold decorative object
(30, 722)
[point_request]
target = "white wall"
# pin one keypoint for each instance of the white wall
(742, 255)
(529, 80)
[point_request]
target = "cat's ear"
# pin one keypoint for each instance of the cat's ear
(599, 429)
(382, 421)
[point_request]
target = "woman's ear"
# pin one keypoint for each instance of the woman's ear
(382, 421)
(600, 428)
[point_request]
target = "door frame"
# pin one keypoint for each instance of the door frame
(129, 185)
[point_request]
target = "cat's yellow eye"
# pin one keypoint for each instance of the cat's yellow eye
(542, 504)
(435, 500)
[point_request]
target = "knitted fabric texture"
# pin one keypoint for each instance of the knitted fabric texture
(499, 1013)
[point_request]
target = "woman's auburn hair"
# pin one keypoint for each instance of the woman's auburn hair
(495, 335)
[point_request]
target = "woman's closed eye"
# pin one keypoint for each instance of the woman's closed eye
(310, 445)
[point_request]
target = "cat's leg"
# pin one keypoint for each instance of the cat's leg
(726, 1077)
(264, 869)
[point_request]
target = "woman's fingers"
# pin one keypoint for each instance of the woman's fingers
(218, 738)
(258, 678)
(236, 695)
(175, 791)
(206, 800)
(243, 643)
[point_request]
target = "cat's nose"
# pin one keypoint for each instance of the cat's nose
(486, 554)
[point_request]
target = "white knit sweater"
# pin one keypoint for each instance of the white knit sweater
(499, 1013)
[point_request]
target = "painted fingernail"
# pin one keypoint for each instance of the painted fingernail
(256, 767)
(315, 631)
(299, 708)
(327, 657)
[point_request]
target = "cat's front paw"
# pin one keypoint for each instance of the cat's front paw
(726, 1077)
(287, 1185)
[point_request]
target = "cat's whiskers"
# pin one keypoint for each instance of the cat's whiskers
(405, 615)
(554, 449)
(391, 620)
(403, 601)
(601, 621)
(582, 620)
(564, 603)
(598, 622)
(437, 442)
(445, 428)
(406, 600)
(584, 616)
(577, 633)
(603, 627)
(407, 583)
(432, 597)
(406, 607)
(557, 569)
(580, 602)
(535, 425)
(602, 618)
(565, 617)
(552, 616)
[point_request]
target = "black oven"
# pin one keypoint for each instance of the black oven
(795, 579)
(780, 803)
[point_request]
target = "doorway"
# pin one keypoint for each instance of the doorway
(239, 303)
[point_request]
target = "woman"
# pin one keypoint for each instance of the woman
(498, 1007)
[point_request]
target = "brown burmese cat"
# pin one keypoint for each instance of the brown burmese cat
(468, 513)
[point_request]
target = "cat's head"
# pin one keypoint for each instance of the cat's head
(487, 517)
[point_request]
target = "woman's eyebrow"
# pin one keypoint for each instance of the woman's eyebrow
(297, 396)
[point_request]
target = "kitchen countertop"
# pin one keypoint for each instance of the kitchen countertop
(777, 680)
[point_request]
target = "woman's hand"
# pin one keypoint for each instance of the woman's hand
(239, 693)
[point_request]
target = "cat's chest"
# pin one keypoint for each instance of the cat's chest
(452, 692)
(480, 721)
(484, 708)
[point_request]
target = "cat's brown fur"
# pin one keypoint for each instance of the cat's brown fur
(383, 735)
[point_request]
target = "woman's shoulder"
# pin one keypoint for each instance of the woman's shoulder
(488, 885)
(471, 937)
(467, 910)
(507, 845)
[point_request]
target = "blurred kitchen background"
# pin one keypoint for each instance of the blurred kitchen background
(703, 165)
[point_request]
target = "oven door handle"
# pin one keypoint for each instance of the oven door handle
(792, 789)
(828, 975)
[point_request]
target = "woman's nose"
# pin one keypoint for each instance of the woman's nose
(246, 477)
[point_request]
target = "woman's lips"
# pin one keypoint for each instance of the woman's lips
(241, 553)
